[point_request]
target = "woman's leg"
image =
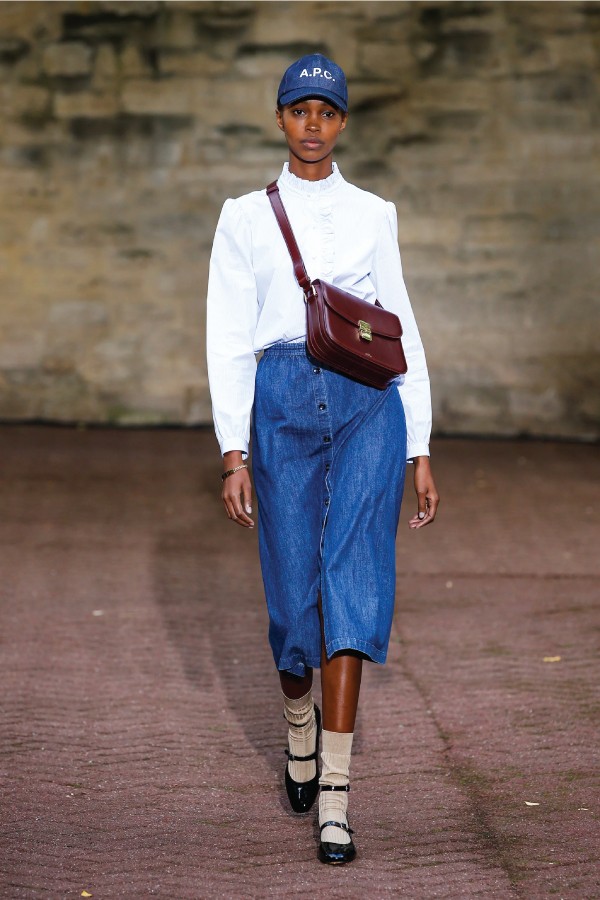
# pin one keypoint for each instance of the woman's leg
(301, 777)
(340, 684)
(295, 687)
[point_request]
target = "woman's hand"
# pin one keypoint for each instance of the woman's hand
(237, 491)
(427, 495)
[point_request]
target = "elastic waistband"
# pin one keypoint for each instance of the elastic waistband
(291, 348)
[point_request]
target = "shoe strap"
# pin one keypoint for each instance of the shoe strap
(293, 758)
(335, 787)
(341, 825)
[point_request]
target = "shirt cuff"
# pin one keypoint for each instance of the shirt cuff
(417, 450)
(234, 443)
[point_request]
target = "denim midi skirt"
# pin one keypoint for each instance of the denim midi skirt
(328, 460)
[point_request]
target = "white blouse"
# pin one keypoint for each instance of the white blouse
(348, 237)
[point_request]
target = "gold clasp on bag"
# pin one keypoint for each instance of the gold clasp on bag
(364, 330)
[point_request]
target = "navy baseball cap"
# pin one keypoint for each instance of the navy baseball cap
(314, 76)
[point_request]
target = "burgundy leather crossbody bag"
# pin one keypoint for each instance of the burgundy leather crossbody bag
(353, 336)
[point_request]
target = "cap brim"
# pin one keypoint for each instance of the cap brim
(301, 94)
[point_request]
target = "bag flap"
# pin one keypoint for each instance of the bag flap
(382, 321)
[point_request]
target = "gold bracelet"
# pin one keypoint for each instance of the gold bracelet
(231, 471)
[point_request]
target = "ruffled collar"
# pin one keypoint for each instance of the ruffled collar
(310, 188)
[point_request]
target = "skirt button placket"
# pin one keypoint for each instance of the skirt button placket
(325, 420)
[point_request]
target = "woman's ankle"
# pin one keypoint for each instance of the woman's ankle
(333, 804)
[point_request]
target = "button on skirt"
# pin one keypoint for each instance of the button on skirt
(328, 460)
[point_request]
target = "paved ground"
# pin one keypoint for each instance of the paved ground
(141, 726)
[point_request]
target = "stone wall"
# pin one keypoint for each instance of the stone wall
(125, 125)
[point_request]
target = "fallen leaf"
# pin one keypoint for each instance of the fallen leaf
(527, 803)
(85, 894)
(552, 658)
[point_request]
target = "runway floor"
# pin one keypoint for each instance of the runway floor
(142, 731)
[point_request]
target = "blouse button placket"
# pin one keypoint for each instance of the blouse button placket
(327, 233)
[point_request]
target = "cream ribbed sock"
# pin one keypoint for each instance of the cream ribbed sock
(300, 715)
(333, 805)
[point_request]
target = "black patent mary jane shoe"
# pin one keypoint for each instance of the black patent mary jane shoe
(302, 794)
(330, 852)
(337, 854)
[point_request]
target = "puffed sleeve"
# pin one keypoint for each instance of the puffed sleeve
(392, 294)
(230, 326)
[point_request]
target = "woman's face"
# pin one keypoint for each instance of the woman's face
(311, 128)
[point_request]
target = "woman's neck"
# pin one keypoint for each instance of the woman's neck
(310, 171)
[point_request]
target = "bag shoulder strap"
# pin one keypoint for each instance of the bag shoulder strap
(288, 236)
(290, 241)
